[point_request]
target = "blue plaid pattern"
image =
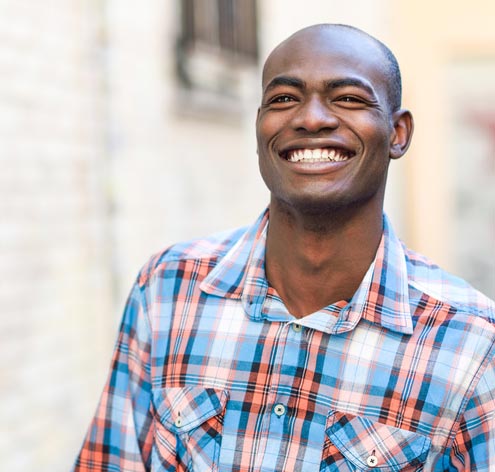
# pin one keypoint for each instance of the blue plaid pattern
(210, 371)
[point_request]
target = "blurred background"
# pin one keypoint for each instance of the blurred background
(128, 125)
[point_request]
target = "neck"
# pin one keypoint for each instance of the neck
(313, 260)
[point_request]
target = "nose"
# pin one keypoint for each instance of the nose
(314, 116)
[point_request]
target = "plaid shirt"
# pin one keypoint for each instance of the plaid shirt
(211, 372)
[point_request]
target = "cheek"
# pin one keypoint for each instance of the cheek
(268, 128)
(264, 131)
(380, 130)
(268, 173)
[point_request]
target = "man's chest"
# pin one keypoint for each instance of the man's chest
(231, 393)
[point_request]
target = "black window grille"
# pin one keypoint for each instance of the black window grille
(225, 30)
(228, 26)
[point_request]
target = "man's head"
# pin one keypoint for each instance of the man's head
(391, 66)
(330, 119)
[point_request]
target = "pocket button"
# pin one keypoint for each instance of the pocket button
(178, 422)
(372, 461)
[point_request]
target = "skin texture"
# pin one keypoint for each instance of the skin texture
(326, 87)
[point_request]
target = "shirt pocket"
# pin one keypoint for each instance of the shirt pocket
(188, 427)
(358, 443)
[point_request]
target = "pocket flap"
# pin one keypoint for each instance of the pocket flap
(374, 446)
(182, 409)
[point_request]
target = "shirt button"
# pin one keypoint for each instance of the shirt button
(178, 422)
(372, 461)
(297, 328)
(279, 409)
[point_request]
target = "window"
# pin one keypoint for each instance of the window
(217, 43)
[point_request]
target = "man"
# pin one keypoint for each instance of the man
(313, 340)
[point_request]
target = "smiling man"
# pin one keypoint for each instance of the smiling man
(312, 340)
(329, 123)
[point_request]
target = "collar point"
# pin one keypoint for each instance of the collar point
(407, 328)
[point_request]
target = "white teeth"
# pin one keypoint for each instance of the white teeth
(317, 155)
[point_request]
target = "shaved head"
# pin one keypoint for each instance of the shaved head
(390, 65)
(330, 121)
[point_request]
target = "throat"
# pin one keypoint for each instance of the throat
(306, 290)
(312, 265)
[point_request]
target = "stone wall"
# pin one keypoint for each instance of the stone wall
(56, 319)
(104, 160)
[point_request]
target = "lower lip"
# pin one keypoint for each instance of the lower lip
(302, 167)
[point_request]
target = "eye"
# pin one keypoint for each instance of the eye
(282, 99)
(350, 99)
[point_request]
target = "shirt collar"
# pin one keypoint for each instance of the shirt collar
(381, 298)
(242, 266)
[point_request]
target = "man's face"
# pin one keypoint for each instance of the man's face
(324, 127)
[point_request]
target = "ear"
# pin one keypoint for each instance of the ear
(400, 138)
(256, 127)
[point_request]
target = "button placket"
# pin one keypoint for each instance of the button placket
(297, 328)
(279, 409)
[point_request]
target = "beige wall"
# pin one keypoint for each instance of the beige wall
(429, 39)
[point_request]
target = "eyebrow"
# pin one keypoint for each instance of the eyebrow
(350, 82)
(285, 80)
(331, 84)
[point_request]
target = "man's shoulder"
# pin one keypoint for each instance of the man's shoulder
(429, 278)
(208, 249)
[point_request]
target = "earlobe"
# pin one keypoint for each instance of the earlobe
(401, 136)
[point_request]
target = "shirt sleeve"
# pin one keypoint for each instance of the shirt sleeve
(120, 435)
(474, 444)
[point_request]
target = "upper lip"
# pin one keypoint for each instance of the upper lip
(316, 144)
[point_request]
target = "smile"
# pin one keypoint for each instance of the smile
(318, 155)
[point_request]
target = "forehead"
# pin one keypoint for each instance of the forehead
(323, 54)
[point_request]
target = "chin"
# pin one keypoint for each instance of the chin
(337, 206)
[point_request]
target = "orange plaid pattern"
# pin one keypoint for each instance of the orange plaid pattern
(210, 371)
